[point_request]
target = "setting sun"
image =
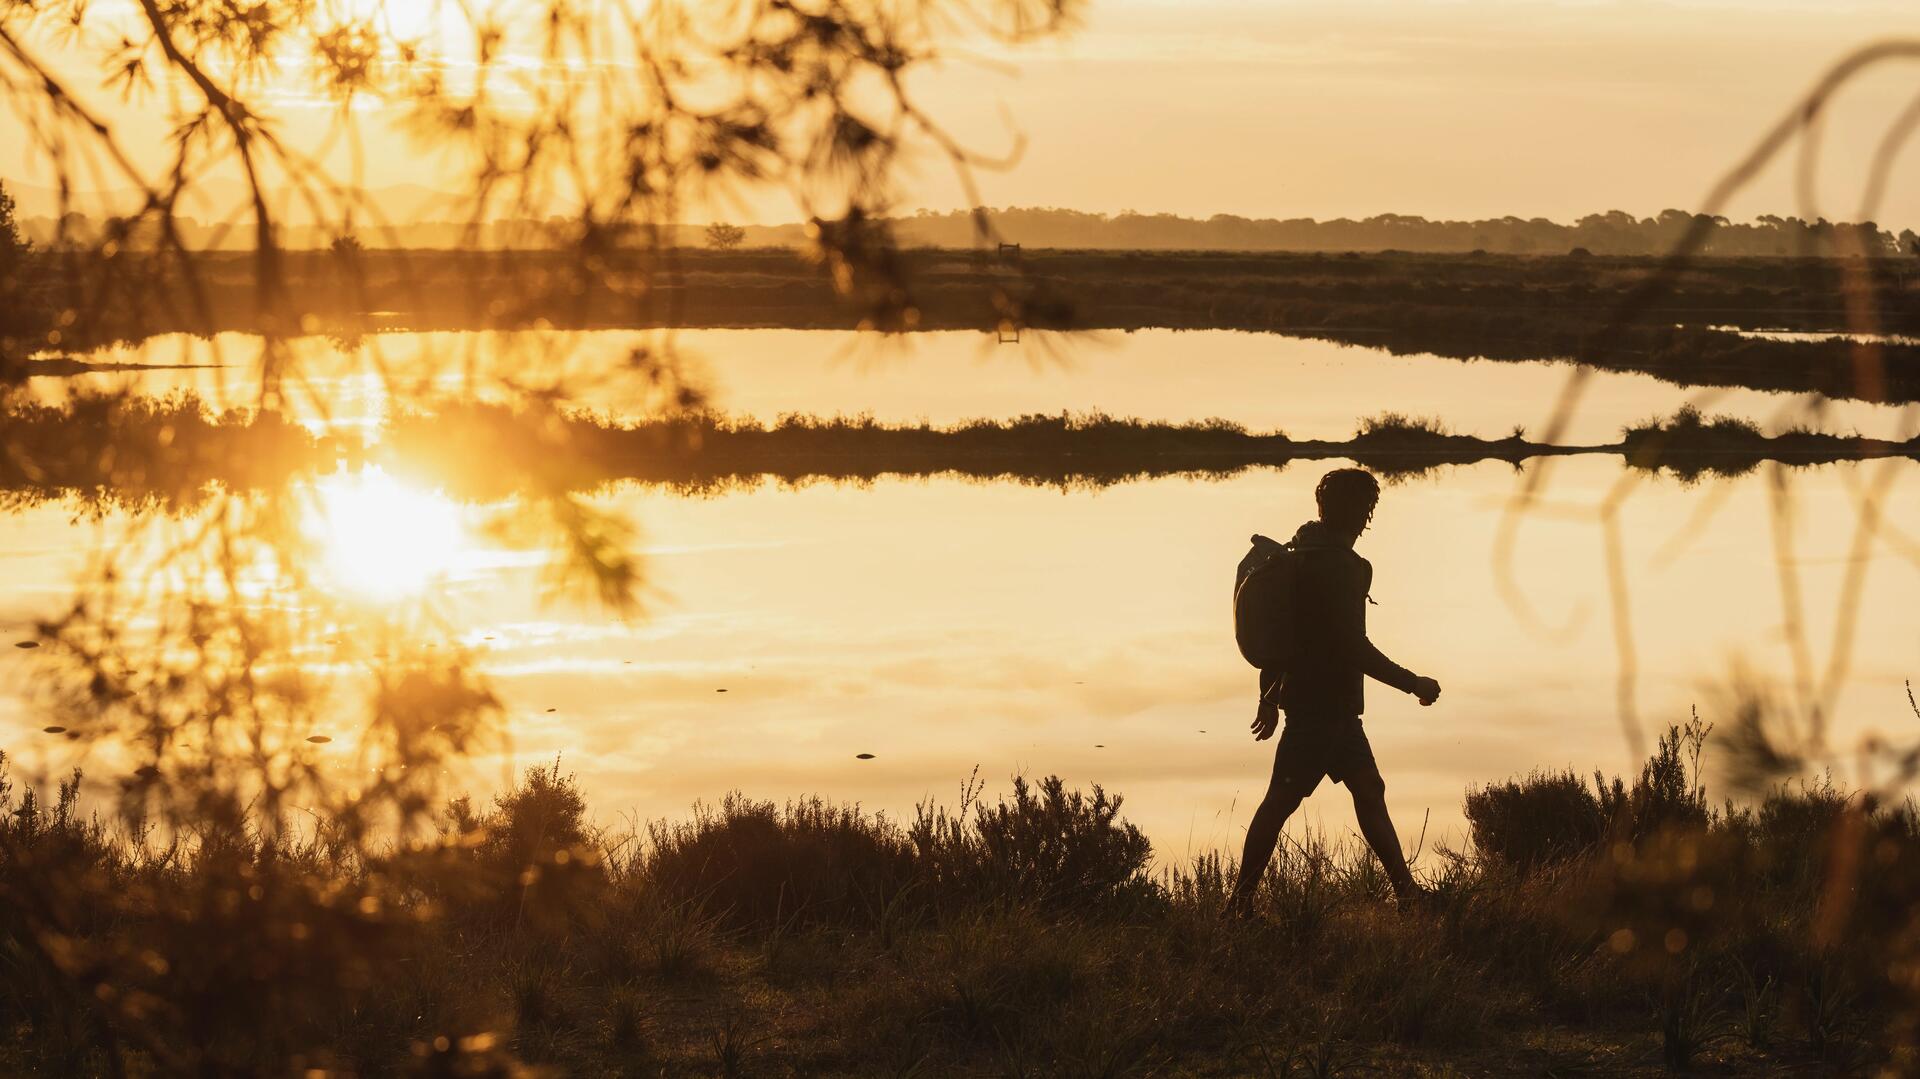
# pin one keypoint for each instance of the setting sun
(381, 538)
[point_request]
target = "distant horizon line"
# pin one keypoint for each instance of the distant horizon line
(1614, 233)
(922, 213)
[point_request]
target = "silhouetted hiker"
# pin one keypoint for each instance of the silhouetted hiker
(1315, 659)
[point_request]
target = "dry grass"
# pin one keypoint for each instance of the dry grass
(1620, 924)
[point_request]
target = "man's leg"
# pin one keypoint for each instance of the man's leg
(1370, 806)
(1285, 791)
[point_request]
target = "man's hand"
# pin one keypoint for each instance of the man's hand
(1265, 721)
(1426, 690)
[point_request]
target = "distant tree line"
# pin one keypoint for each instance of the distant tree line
(1612, 233)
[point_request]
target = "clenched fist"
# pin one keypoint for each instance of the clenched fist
(1426, 690)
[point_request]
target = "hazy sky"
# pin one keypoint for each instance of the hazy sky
(1448, 108)
(1354, 107)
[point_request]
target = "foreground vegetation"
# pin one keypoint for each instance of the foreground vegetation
(1605, 928)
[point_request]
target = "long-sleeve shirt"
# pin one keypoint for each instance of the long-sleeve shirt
(1332, 657)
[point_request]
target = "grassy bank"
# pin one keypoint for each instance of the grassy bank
(1605, 927)
(142, 453)
(1519, 308)
(1691, 444)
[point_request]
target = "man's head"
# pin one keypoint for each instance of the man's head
(1346, 497)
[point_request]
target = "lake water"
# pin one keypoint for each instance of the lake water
(1309, 389)
(942, 625)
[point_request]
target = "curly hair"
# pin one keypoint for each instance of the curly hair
(1346, 496)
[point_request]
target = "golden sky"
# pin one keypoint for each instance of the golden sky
(1325, 108)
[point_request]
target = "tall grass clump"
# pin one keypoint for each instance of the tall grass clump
(1689, 426)
(1399, 427)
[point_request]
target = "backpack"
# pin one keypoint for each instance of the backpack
(1263, 588)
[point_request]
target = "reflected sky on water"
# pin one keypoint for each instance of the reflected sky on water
(941, 625)
(1308, 389)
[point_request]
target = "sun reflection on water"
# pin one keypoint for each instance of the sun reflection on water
(382, 538)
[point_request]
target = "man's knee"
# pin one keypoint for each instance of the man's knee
(1368, 788)
(1279, 803)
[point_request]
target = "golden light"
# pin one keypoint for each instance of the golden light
(382, 538)
(404, 20)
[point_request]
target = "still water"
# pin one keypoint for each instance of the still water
(942, 625)
(1308, 389)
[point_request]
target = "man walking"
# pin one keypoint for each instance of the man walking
(1322, 691)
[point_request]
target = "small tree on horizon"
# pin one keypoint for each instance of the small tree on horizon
(11, 242)
(724, 237)
(23, 310)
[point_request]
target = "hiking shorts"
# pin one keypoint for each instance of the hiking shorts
(1315, 747)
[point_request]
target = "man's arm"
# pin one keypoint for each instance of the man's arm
(1266, 716)
(1378, 666)
(1375, 664)
(1269, 686)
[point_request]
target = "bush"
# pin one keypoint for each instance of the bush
(755, 865)
(1389, 426)
(1668, 794)
(1550, 817)
(1056, 847)
(529, 861)
(982, 939)
(1688, 430)
(1544, 818)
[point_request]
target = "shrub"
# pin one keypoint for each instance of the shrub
(1395, 425)
(755, 865)
(1544, 818)
(968, 941)
(1550, 817)
(529, 861)
(1689, 429)
(1053, 847)
(1668, 794)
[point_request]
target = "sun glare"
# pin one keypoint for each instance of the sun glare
(384, 539)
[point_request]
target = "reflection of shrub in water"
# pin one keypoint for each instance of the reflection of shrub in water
(116, 451)
(1691, 445)
(697, 451)
(142, 453)
(1399, 447)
